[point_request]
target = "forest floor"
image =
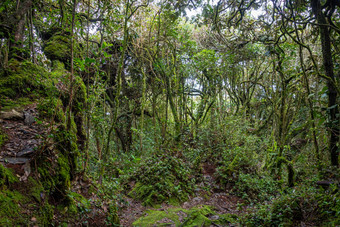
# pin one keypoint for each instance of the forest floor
(206, 194)
(25, 136)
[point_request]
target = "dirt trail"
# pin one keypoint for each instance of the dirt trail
(24, 136)
(215, 197)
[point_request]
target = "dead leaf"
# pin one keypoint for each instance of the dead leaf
(27, 169)
(104, 208)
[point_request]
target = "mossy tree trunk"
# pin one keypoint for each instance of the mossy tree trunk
(333, 110)
(16, 23)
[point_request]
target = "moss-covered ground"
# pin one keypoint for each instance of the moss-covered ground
(196, 216)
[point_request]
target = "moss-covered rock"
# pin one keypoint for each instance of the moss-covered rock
(51, 108)
(66, 143)
(55, 175)
(63, 173)
(58, 48)
(45, 175)
(22, 82)
(197, 216)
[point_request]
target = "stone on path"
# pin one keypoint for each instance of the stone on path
(11, 115)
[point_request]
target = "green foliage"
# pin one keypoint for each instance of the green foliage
(255, 188)
(160, 178)
(302, 204)
(17, 104)
(112, 217)
(237, 160)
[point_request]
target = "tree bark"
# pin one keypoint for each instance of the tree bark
(17, 24)
(329, 70)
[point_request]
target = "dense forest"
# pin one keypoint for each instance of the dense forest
(169, 113)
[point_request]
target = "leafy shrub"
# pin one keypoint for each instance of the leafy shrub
(302, 204)
(160, 178)
(234, 162)
(252, 187)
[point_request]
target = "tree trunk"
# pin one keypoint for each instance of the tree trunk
(18, 27)
(332, 92)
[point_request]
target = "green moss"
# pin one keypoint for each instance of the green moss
(45, 214)
(3, 137)
(80, 100)
(67, 144)
(174, 201)
(12, 203)
(73, 126)
(56, 178)
(78, 203)
(58, 48)
(22, 82)
(6, 176)
(80, 95)
(10, 211)
(147, 193)
(17, 104)
(35, 189)
(63, 176)
(197, 216)
(51, 108)
(58, 69)
(154, 216)
(46, 178)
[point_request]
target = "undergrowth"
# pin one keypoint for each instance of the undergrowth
(303, 204)
(162, 178)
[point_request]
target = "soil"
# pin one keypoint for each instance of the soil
(216, 197)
